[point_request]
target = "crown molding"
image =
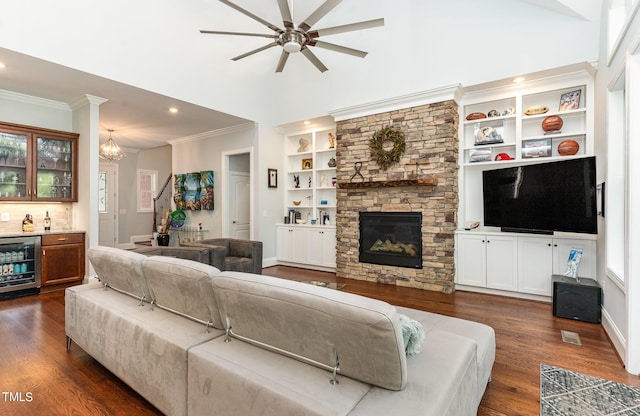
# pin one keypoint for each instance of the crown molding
(213, 133)
(451, 92)
(30, 99)
(86, 99)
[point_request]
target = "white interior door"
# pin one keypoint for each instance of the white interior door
(239, 205)
(107, 203)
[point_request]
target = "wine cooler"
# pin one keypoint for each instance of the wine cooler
(19, 266)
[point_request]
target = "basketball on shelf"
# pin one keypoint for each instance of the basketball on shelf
(568, 147)
(552, 123)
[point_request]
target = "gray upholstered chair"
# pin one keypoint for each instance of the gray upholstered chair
(199, 254)
(233, 254)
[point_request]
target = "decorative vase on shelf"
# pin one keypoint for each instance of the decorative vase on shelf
(332, 162)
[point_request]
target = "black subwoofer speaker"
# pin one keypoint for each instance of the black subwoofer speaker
(577, 299)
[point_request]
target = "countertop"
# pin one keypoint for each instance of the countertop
(37, 232)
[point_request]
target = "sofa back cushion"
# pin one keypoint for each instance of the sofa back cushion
(183, 286)
(120, 269)
(199, 254)
(316, 323)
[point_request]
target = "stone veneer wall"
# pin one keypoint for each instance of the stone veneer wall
(431, 134)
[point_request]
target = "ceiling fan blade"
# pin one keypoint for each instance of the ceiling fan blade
(346, 28)
(262, 48)
(218, 32)
(282, 61)
(338, 48)
(314, 59)
(253, 16)
(285, 11)
(320, 12)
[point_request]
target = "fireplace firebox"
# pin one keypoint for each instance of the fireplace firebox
(391, 238)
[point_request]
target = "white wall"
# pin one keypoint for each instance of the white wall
(204, 152)
(130, 222)
(619, 318)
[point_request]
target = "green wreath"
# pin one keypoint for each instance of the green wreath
(386, 157)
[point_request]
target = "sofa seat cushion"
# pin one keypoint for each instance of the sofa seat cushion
(483, 335)
(184, 287)
(145, 348)
(316, 323)
(237, 378)
(120, 269)
(442, 382)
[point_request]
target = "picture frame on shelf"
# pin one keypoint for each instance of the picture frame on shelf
(570, 100)
(532, 149)
(307, 164)
(272, 178)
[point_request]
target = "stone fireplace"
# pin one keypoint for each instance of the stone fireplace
(423, 183)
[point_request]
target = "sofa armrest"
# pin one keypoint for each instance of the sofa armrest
(248, 249)
(217, 256)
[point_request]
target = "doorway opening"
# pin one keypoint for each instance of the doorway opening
(237, 195)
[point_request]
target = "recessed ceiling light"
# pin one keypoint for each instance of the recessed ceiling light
(307, 122)
(518, 80)
(2, 65)
(173, 110)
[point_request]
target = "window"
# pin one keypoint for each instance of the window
(147, 186)
(102, 192)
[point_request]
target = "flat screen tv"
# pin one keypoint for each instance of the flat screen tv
(542, 198)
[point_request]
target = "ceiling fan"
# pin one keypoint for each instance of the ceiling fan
(298, 39)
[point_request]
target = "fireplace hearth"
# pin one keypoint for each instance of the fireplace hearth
(391, 238)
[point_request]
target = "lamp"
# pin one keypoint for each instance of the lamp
(110, 150)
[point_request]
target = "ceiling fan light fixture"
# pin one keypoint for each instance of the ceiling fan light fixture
(292, 47)
(109, 150)
(292, 41)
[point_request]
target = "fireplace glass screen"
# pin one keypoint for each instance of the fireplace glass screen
(391, 238)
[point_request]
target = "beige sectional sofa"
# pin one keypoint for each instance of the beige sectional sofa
(193, 341)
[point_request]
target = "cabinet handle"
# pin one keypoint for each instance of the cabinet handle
(555, 245)
(44, 252)
(483, 241)
(62, 239)
(549, 244)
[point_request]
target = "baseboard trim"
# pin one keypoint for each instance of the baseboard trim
(518, 295)
(615, 336)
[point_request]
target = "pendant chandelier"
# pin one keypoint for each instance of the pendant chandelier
(109, 150)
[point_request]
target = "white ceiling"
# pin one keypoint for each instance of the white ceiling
(141, 119)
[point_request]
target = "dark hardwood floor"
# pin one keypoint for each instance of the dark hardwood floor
(39, 377)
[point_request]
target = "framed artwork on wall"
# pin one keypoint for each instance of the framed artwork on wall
(272, 175)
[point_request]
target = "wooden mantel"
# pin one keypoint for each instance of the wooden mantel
(426, 181)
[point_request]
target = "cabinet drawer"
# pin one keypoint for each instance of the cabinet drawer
(57, 239)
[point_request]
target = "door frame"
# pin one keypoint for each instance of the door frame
(225, 185)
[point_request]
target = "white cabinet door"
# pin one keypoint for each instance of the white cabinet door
(321, 247)
(329, 248)
(502, 262)
(314, 246)
(292, 244)
(534, 265)
(471, 260)
(561, 249)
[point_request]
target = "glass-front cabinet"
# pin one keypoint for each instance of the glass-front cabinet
(37, 164)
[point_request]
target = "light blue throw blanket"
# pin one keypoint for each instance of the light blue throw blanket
(412, 334)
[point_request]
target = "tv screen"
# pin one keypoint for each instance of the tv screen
(542, 198)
